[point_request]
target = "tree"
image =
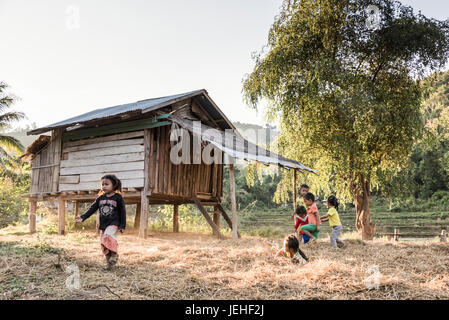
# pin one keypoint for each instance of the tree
(8, 144)
(347, 96)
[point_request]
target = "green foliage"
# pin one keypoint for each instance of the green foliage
(8, 144)
(350, 93)
(13, 207)
(190, 218)
(253, 188)
(427, 170)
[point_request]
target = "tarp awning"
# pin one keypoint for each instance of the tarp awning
(238, 147)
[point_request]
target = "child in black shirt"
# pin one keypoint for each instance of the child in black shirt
(112, 209)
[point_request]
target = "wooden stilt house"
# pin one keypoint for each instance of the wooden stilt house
(133, 141)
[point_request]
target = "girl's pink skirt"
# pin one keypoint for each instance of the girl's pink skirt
(109, 240)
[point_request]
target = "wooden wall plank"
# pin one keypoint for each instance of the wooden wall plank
(57, 146)
(158, 154)
(136, 174)
(114, 137)
(147, 138)
(106, 144)
(95, 153)
(69, 179)
(164, 159)
(132, 183)
(151, 161)
(103, 160)
(104, 168)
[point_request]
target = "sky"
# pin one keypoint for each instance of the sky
(64, 58)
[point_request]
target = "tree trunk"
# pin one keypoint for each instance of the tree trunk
(363, 220)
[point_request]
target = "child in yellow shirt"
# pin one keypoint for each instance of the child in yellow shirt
(334, 221)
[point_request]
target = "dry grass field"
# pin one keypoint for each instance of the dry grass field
(198, 266)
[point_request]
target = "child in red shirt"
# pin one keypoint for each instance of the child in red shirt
(301, 220)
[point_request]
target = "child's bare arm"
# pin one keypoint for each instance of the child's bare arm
(281, 252)
(325, 217)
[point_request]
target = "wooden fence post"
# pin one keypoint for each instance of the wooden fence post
(32, 214)
(443, 237)
(396, 234)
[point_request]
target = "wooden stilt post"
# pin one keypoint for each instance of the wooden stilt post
(233, 201)
(32, 214)
(443, 237)
(175, 218)
(226, 217)
(61, 216)
(144, 205)
(75, 208)
(294, 190)
(137, 216)
(216, 217)
(144, 201)
(396, 234)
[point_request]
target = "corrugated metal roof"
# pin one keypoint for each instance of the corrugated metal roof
(139, 106)
(238, 147)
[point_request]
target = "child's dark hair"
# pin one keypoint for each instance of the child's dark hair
(116, 183)
(332, 200)
(300, 210)
(304, 186)
(293, 243)
(309, 196)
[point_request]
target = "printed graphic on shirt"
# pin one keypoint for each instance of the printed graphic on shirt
(107, 207)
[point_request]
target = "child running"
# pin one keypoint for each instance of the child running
(334, 222)
(313, 228)
(112, 209)
(290, 250)
(301, 220)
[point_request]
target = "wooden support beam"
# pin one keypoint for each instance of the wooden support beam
(396, 234)
(216, 218)
(32, 214)
(61, 216)
(294, 190)
(57, 140)
(208, 219)
(75, 208)
(443, 237)
(144, 193)
(137, 216)
(226, 217)
(175, 218)
(233, 201)
(143, 232)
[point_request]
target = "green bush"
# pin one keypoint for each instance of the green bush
(13, 207)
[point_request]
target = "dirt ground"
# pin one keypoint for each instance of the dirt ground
(198, 266)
